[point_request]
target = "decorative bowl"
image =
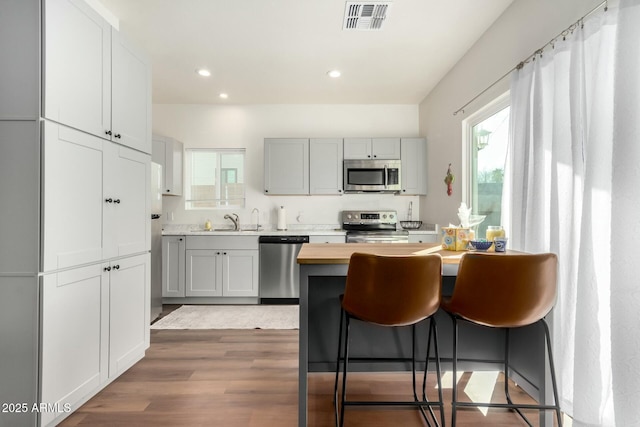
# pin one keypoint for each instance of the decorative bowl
(480, 245)
(410, 225)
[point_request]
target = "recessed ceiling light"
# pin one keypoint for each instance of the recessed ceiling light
(334, 74)
(203, 72)
(224, 96)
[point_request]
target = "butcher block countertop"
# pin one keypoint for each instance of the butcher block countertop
(340, 253)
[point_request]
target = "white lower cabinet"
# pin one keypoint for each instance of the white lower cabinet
(222, 266)
(216, 273)
(329, 238)
(203, 273)
(173, 266)
(423, 238)
(129, 311)
(94, 326)
(74, 337)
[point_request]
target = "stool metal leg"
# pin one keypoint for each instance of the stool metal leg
(338, 358)
(345, 364)
(553, 372)
(432, 325)
(454, 388)
(506, 378)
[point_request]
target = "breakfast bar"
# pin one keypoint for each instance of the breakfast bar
(323, 270)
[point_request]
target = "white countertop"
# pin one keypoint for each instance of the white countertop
(249, 230)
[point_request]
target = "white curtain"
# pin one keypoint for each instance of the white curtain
(572, 186)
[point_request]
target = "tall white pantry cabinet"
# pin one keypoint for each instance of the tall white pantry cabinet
(75, 144)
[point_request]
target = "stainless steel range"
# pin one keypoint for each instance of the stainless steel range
(373, 227)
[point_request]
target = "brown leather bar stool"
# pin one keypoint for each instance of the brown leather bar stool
(504, 291)
(391, 291)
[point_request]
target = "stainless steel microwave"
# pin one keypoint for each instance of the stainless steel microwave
(379, 176)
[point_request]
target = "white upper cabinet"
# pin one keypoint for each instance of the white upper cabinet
(286, 166)
(94, 80)
(414, 166)
(325, 166)
(77, 66)
(131, 95)
(127, 210)
(169, 153)
(372, 148)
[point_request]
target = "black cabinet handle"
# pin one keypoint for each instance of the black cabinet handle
(117, 135)
(266, 191)
(369, 155)
(180, 240)
(108, 132)
(224, 253)
(217, 253)
(109, 200)
(375, 155)
(107, 269)
(116, 201)
(168, 191)
(339, 191)
(116, 267)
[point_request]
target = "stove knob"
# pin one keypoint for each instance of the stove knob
(391, 216)
(349, 216)
(384, 216)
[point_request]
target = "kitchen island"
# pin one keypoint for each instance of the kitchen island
(323, 270)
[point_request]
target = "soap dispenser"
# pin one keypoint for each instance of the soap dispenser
(207, 225)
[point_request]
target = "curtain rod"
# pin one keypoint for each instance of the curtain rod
(528, 59)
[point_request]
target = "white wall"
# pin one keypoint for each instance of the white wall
(522, 29)
(247, 126)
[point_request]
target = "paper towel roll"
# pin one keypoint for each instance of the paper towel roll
(282, 218)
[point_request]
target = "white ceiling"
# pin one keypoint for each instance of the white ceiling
(279, 51)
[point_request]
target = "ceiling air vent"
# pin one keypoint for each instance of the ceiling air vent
(365, 16)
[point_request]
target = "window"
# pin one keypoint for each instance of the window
(485, 147)
(214, 178)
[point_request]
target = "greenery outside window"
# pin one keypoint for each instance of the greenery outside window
(214, 178)
(486, 135)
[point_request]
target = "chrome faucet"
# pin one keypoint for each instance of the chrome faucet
(256, 210)
(236, 221)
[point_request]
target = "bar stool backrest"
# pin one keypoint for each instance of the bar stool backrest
(393, 290)
(504, 290)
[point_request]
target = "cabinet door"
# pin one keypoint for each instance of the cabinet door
(173, 272)
(72, 197)
(127, 212)
(173, 177)
(74, 335)
(286, 166)
(129, 310)
(169, 154)
(131, 95)
(414, 166)
(240, 273)
(423, 238)
(385, 148)
(325, 166)
(357, 148)
(327, 239)
(77, 66)
(204, 273)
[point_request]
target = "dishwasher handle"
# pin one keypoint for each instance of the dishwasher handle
(283, 240)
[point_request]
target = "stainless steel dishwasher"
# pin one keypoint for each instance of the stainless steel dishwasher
(279, 271)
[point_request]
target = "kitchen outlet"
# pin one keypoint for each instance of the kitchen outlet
(300, 218)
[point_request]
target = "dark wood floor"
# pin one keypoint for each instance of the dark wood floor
(248, 378)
